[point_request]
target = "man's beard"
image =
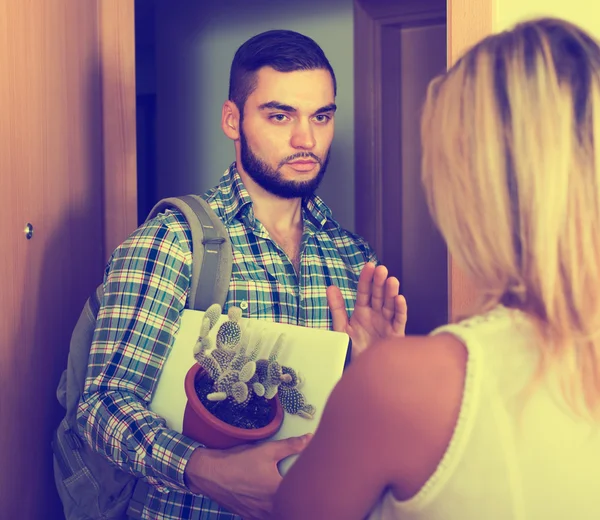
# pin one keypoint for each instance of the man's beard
(271, 180)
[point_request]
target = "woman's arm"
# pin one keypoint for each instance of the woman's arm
(386, 426)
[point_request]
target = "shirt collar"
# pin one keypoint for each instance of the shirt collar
(317, 214)
(236, 200)
(233, 194)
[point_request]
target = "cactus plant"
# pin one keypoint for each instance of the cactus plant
(239, 376)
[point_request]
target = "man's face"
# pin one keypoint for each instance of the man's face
(287, 129)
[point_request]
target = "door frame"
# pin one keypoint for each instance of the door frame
(371, 19)
(117, 48)
(468, 22)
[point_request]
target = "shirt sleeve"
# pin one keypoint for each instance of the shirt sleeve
(146, 286)
(372, 257)
(366, 249)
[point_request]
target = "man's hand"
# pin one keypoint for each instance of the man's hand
(243, 479)
(379, 311)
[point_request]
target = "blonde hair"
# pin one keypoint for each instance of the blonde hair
(511, 144)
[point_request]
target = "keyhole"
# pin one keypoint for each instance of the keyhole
(28, 231)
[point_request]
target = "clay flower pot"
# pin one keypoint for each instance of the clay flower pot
(202, 426)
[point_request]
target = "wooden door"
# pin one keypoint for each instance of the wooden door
(396, 46)
(399, 47)
(67, 168)
(468, 22)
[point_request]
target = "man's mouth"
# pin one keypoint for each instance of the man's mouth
(303, 165)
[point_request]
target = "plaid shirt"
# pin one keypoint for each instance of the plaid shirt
(146, 286)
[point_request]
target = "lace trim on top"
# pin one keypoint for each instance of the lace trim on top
(467, 414)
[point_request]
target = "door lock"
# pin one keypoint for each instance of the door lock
(28, 231)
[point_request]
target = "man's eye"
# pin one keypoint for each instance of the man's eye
(322, 118)
(278, 117)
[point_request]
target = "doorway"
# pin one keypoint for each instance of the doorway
(384, 53)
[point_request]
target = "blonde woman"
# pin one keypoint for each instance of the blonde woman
(495, 417)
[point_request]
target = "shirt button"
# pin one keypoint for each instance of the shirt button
(243, 305)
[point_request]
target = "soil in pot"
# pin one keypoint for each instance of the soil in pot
(256, 414)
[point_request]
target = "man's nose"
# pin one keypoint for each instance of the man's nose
(303, 137)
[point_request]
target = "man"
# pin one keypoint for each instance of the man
(289, 257)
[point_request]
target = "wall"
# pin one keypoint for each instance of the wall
(195, 43)
(581, 12)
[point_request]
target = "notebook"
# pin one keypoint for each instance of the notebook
(319, 355)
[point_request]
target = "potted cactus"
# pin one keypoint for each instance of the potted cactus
(234, 395)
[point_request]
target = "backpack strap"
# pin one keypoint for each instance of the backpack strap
(211, 249)
(138, 499)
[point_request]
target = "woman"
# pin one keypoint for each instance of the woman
(495, 417)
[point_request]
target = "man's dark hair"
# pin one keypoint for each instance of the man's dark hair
(284, 51)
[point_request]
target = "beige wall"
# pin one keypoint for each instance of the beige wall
(585, 13)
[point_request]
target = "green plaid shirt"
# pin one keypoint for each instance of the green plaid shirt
(146, 287)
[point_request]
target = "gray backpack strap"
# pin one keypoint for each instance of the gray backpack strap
(211, 250)
(138, 499)
(88, 485)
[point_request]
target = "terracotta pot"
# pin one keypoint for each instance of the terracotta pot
(202, 426)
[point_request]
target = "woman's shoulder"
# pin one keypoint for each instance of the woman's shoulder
(413, 373)
(417, 359)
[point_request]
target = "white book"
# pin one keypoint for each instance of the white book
(319, 355)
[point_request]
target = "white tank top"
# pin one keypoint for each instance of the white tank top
(506, 462)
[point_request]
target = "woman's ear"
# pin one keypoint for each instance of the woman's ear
(230, 120)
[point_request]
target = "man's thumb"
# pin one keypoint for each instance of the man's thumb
(292, 446)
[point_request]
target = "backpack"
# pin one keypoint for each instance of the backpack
(90, 486)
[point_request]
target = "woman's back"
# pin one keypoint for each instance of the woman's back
(514, 455)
